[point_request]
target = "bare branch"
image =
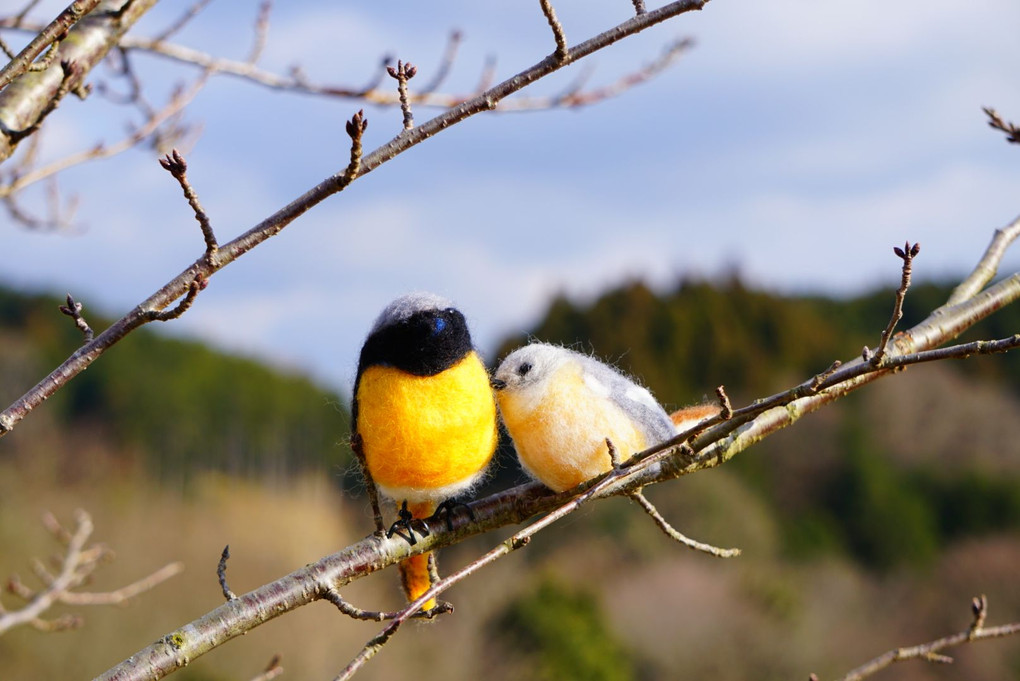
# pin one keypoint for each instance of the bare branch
(197, 284)
(183, 21)
(75, 567)
(73, 310)
(51, 35)
(184, 283)
(373, 493)
(125, 593)
(988, 266)
(557, 28)
(724, 403)
(177, 103)
(355, 129)
(261, 31)
(28, 99)
(297, 81)
(995, 121)
(221, 573)
(907, 255)
(931, 651)
(714, 441)
(175, 164)
(677, 536)
(445, 64)
(334, 597)
(403, 73)
(272, 670)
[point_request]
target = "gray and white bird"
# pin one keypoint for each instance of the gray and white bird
(560, 406)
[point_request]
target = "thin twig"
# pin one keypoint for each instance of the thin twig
(562, 51)
(125, 593)
(357, 446)
(355, 129)
(74, 568)
(221, 574)
(907, 255)
(403, 73)
(6, 49)
(29, 6)
(354, 612)
(675, 534)
(261, 32)
(724, 403)
(272, 670)
(175, 164)
(176, 104)
(296, 80)
(931, 651)
(445, 64)
(73, 310)
(197, 284)
(182, 21)
(995, 121)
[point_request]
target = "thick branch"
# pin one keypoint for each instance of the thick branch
(988, 266)
(32, 96)
(53, 33)
(721, 441)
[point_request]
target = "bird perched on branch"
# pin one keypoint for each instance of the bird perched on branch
(424, 415)
(560, 407)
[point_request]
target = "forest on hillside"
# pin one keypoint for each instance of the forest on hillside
(867, 526)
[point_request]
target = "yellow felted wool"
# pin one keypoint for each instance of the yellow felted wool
(424, 434)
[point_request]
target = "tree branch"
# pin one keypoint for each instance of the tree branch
(932, 650)
(708, 444)
(53, 34)
(28, 99)
(297, 82)
(77, 565)
(202, 270)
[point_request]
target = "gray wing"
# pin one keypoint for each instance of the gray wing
(636, 401)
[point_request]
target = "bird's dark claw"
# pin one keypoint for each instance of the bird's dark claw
(405, 521)
(445, 511)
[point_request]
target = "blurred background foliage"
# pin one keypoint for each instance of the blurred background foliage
(866, 526)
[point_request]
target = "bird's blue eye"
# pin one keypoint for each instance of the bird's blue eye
(438, 324)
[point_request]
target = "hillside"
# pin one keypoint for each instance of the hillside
(174, 408)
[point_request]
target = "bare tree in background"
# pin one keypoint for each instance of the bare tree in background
(59, 61)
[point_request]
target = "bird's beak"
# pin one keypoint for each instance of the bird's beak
(496, 383)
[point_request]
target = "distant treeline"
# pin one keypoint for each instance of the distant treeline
(178, 405)
(836, 485)
(839, 484)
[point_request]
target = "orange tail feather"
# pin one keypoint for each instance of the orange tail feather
(415, 573)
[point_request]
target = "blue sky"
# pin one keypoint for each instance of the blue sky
(798, 141)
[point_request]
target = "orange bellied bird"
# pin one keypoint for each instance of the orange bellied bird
(423, 411)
